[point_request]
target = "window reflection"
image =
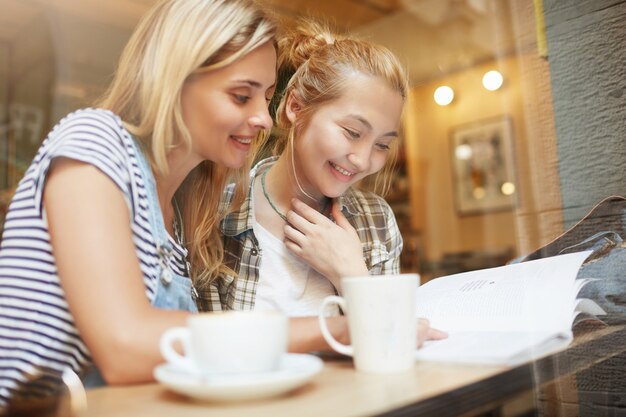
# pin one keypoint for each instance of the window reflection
(56, 56)
(59, 55)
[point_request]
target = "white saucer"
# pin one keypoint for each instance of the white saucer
(295, 370)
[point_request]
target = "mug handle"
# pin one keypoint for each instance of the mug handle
(170, 336)
(339, 347)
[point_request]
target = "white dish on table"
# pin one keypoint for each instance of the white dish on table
(295, 370)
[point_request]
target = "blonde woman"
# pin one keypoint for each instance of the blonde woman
(303, 225)
(94, 266)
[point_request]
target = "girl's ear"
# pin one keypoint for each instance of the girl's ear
(292, 109)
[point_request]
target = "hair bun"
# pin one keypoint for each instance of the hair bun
(299, 43)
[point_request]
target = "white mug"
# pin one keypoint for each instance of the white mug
(241, 342)
(382, 321)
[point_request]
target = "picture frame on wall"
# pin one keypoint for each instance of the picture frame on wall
(483, 165)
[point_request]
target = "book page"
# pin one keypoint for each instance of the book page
(492, 347)
(535, 296)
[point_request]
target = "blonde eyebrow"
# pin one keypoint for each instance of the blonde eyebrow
(254, 84)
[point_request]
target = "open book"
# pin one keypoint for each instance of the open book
(505, 315)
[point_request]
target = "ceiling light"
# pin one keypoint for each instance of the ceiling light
(444, 95)
(508, 188)
(492, 80)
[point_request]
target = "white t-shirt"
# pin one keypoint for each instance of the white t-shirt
(286, 283)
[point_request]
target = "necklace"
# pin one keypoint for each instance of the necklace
(267, 196)
(269, 200)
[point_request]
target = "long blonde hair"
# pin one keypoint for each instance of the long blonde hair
(319, 64)
(175, 39)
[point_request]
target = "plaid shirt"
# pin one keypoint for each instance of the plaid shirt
(368, 213)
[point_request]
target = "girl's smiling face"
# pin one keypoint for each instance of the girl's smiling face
(347, 139)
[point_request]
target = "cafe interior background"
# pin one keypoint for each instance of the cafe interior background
(510, 162)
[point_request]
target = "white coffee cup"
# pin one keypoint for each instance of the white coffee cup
(382, 321)
(242, 342)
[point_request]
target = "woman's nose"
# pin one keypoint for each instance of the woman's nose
(360, 158)
(261, 119)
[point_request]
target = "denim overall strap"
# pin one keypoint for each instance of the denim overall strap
(173, 292)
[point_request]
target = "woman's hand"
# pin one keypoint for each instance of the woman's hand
(425, 332)
(332, 249)
(305, 334)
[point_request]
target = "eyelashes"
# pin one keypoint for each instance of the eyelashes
(354, 135)
(241, 98)
(351, 133)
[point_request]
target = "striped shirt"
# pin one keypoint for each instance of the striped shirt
(368, 213)
(37, 331)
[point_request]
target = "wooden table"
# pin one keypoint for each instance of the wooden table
(432, 389)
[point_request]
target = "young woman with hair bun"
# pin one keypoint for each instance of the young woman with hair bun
(304, 224)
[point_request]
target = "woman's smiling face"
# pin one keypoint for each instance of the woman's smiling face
(347, 139)
(225, 109)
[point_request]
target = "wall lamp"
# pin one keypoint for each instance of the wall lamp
(444, 95)
(492, 80)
